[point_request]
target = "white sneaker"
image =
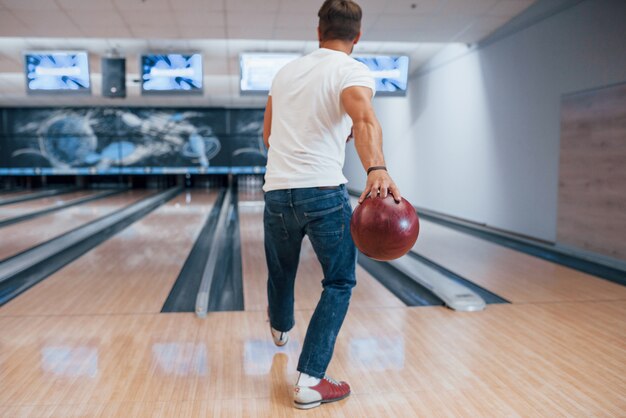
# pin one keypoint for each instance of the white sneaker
(280, 338)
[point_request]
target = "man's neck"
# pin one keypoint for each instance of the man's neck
(338, 45)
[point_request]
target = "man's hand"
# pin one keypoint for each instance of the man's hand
(379, 183)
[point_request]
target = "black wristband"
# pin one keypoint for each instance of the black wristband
(376, 167)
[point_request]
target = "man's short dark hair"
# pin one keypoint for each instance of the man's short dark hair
(339, 20)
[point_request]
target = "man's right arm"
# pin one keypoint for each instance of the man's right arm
(368, 140)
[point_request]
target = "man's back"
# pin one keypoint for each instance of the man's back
(309, 126)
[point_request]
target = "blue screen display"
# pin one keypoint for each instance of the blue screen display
(390, 73)
(59, 71)
(259, 69)
(171, 73)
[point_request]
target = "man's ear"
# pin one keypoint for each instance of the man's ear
(319, 34)
(356, 40)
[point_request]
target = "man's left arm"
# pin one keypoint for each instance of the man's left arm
(267, 122)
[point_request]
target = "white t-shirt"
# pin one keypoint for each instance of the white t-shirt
(309, 125)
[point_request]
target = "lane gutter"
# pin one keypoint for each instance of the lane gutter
(38, 195)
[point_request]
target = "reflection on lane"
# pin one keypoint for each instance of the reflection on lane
(258, 355)
(69, 361)
(377, 354)
(181, 358)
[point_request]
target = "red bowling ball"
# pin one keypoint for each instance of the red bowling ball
(383, 229)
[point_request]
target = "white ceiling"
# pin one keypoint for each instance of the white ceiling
(220, 30)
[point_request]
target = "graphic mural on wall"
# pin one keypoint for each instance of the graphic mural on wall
(129, 140)
(247, 127)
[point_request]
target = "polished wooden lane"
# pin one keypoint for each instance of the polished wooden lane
(561, 359)
(518, 277)
(131, 272)
(24, 235)
(532, 359)
(14, 193)
(30, 206)
(367, 293)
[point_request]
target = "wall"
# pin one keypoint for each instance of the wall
(477, 137)
(119, 140)
(592, 172)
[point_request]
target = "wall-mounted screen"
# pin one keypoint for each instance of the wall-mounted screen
(390, 72)
(258, 70)
(57, 72)
(171, 74)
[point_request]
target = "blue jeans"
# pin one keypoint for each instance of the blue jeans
(323, 215)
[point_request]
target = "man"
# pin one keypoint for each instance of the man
(314, 101)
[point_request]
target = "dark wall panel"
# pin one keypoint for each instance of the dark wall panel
(132, 140)
(247, 138)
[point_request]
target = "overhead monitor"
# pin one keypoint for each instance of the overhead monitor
(258, 70)
(54, 72)
(171, 74)
(390, 73)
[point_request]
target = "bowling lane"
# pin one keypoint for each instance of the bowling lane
(368, 292)
(30, 206)
(23, 235)
(513, 275)
(14, 193)
(132, 272)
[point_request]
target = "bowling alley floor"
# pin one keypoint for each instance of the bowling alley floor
(70, 347)
(555, 359)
